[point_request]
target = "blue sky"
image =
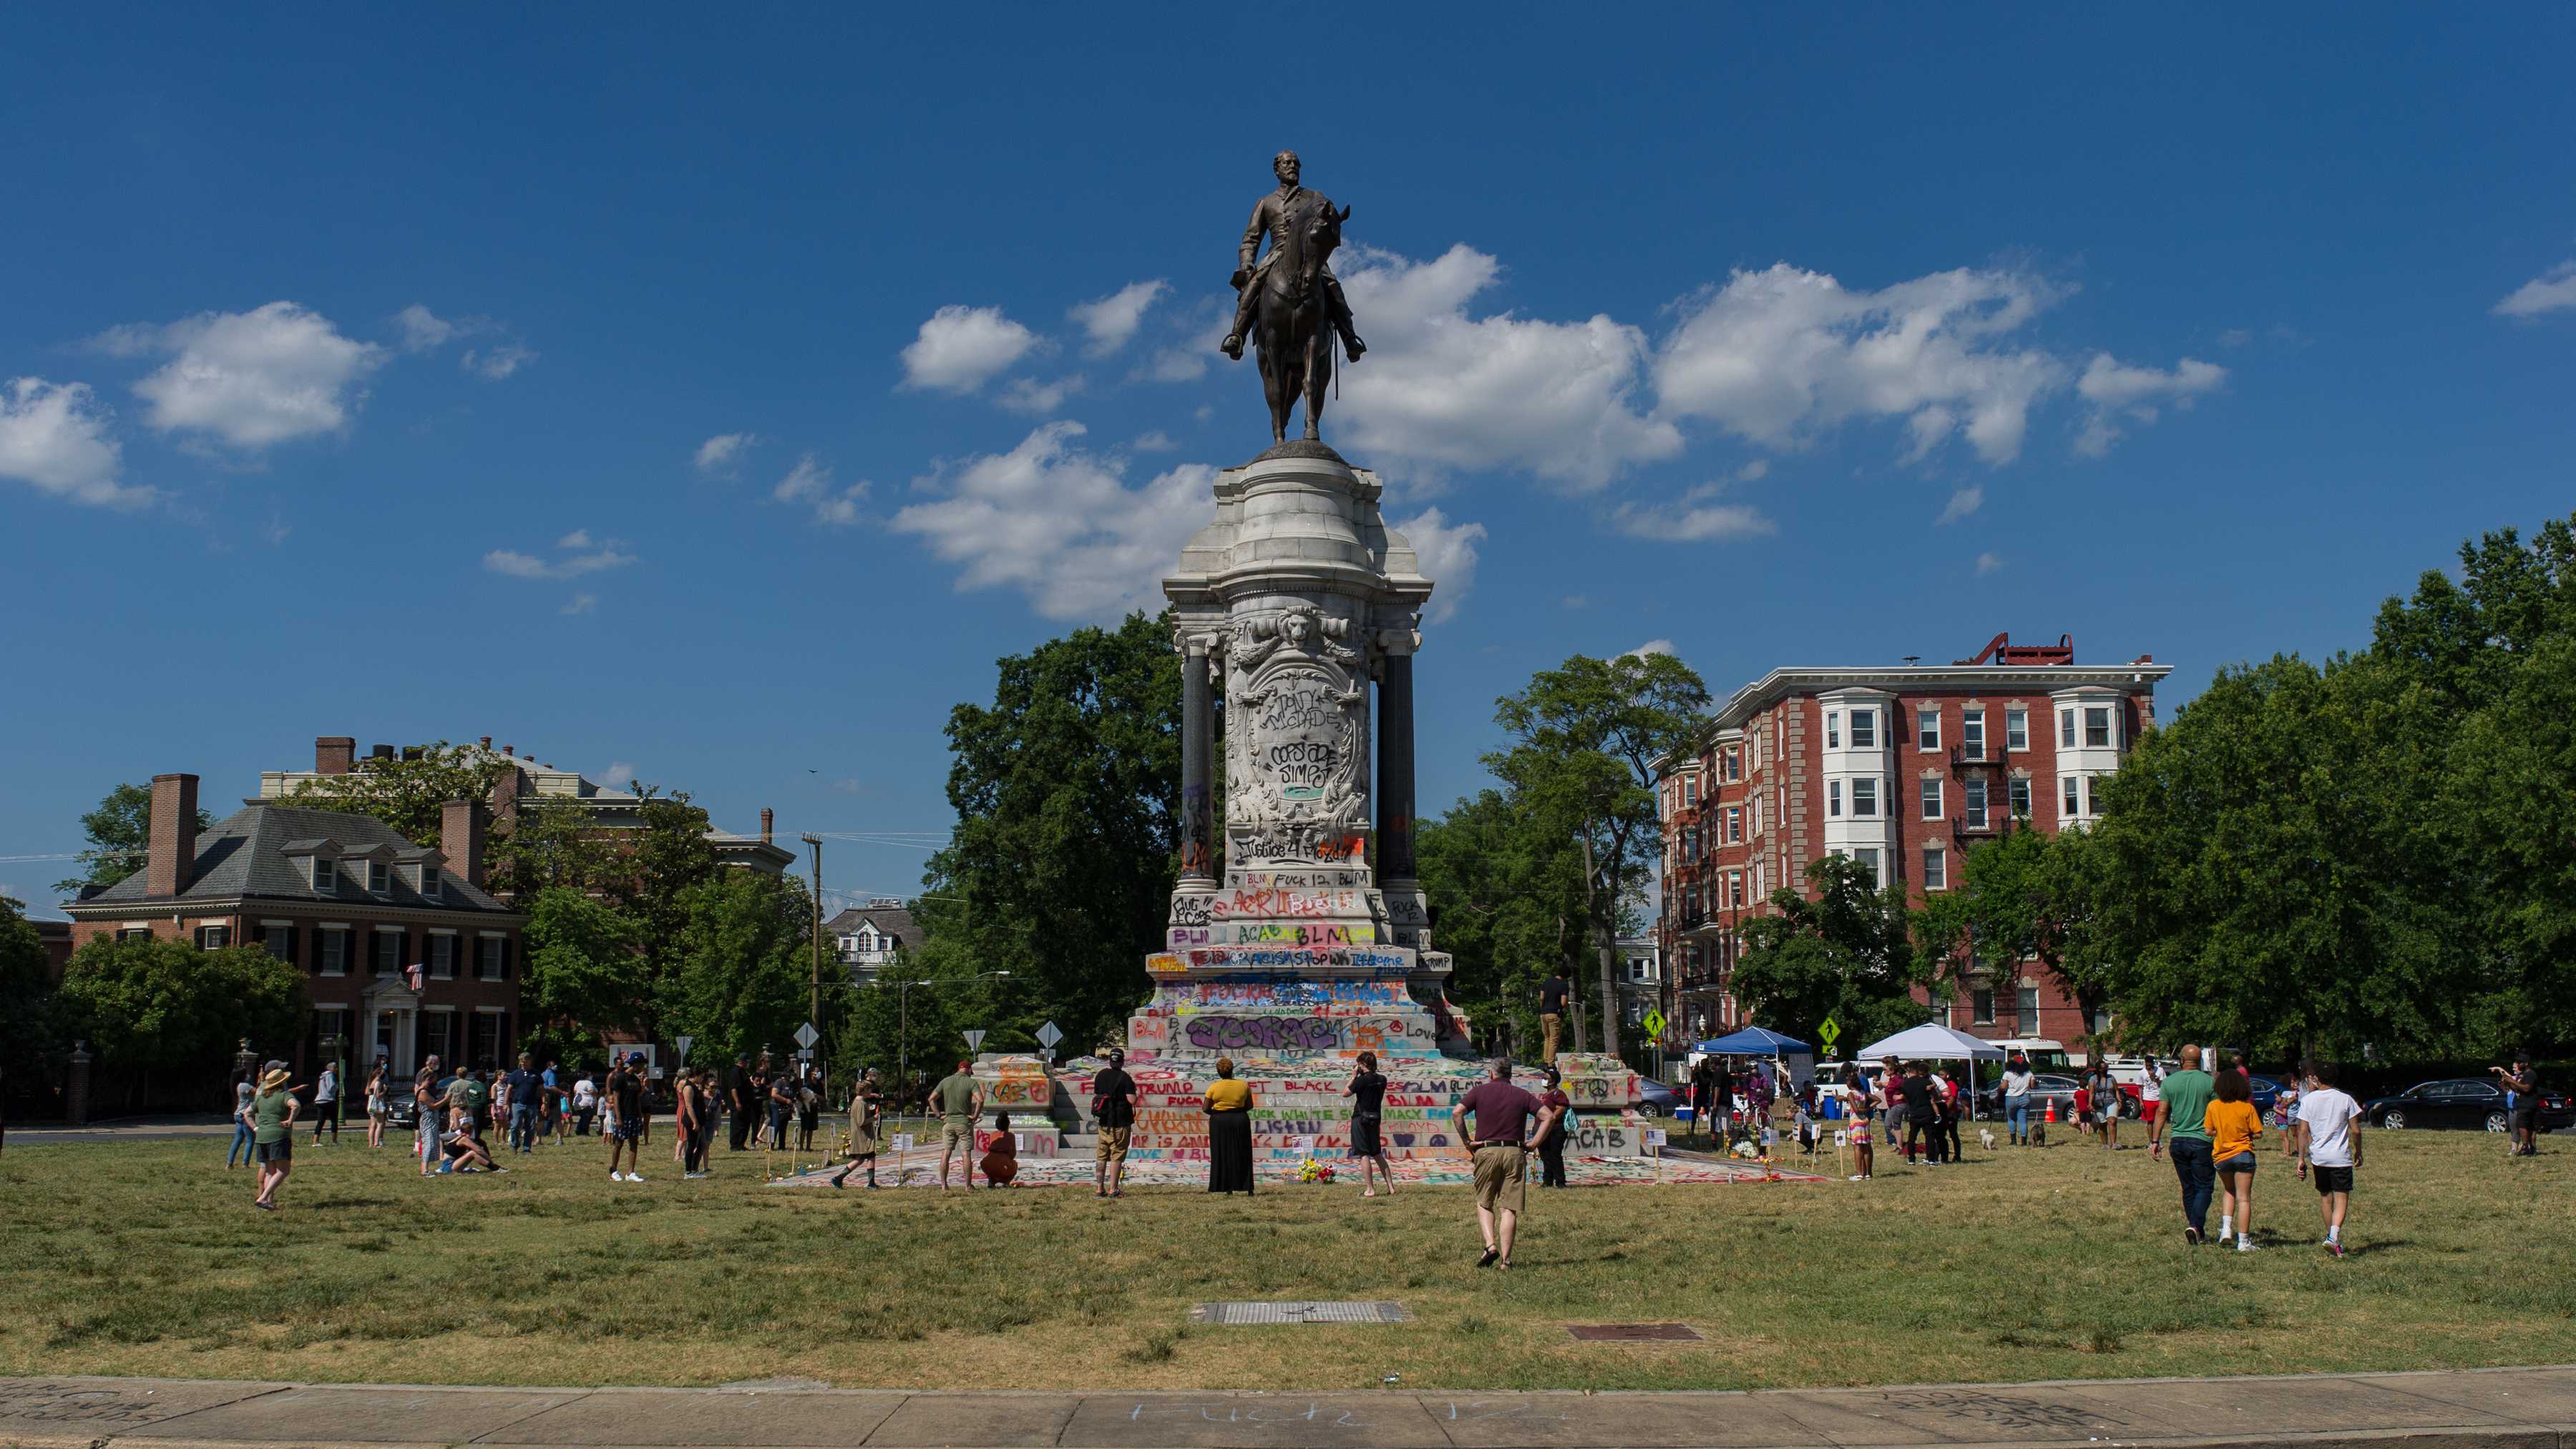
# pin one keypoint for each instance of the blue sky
(370, 371)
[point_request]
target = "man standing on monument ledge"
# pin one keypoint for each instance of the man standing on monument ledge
(1270, 219)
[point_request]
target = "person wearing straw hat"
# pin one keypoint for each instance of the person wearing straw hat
(272, 1115)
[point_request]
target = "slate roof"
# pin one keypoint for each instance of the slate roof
(892, 921)
(244, 855)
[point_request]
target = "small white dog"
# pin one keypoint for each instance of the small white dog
(1986, 1135)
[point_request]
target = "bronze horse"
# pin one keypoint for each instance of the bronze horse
(1295, 337)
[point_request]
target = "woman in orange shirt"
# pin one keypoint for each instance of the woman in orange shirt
(2234, 1126)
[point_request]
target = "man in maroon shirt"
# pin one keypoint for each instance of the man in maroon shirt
(1499, 1142)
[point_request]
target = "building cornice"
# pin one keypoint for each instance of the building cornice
(1779, 684)
(287, 905)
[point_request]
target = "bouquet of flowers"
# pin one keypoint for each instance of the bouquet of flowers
(1312, 1171)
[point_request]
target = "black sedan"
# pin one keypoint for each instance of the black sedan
(2463, 1102)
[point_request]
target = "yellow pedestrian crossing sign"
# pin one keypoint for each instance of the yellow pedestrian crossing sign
(1826, 1031)
(1654, 1023)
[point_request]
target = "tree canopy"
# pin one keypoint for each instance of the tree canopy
(120, 838)
(1848, 954)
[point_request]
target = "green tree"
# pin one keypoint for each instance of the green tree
(1067, 792)
(163, 1006)
(28, 1032)
(1848, 953)
(1586, 738)
(2507, 794)
(120, 838)
(2025, 896)
(409, 792)
(583, 970)
(553, 844)
(668, 857)
(745, 972)
(1508, 903)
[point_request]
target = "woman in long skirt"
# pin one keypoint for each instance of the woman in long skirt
(1229, 1109)
(865, 1105)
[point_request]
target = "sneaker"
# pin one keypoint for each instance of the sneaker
(616, 1176)
(2191, 1236)
(2247, 1245)
(634, 1177)
(2334, 1247)
(1855, 1177)
(694, 1176)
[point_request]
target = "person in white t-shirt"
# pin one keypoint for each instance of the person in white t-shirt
(2151, 1105)
(2321, 1137)
(585, 1103)
(2017, 1077)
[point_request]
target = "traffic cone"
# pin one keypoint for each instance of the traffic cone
(2052, 1110)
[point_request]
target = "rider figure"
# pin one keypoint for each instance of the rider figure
(1270, 217)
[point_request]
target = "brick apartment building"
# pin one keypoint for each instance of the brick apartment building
(1902, 768)
(347, 901)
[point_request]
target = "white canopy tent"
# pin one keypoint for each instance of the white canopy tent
(1934, 1042)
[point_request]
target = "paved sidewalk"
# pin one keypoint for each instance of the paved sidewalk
(2533, 1408)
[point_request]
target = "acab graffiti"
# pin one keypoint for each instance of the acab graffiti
(1291, 934)
(1272, 1033)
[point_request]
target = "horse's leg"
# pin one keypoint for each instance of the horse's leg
(1319, 369)
(1277, 389)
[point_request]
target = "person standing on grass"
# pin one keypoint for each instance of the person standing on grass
(1113, 1115)
(782, 1105)
(1367, 1091)
(1552, 996)
(1502, 1114)
(2187, 1096)
(2522, 1107)
(1229, 1104)
(960, 1099)
(521, 1085)
(326, 1104)
(272, 1114)
(245, 1088)
(1915, 1091)
(2017, 1100)
(1703, 1094)
(428, 1117)
(1860, 1130)
(2234, 1128)
(2151, 1101)
(1891, 1099)
(585, 1104)
(867, 1102)
(378, 1106)
(738, 1101)
(628, 1117)
(1947, 1094)
(689, 1110)
(2326, 1146)
(1553, 1105)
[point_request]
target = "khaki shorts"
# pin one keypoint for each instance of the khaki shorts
(1113, 1144)
(1502, 1179)
(956, 1134)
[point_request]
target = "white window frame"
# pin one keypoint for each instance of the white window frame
(1735, 890)
(1927, 729)
(2066, 728)
(379, 876)
(2020, 784)
(2026, 1009)
(1833, 729)
(2100, 715)
(1972, 732)
(2093, 795)
(268, 938)
(1864, 797)
(2016, 728)
(429, 954)
(1936, 868)
(1868, 855)
(2069, 801)
(501, 972)
(1735, 825)
(431, 882)
(1690, 793)
(1974, 805)
(1864, 722)
(1833, 799)
(324, 933)
(325, 875)
(1931, 798)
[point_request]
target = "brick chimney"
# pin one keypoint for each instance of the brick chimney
(460, 838)
(332, 754)
(382, 752)
(505, 802)
(765, 818)
(173, 853)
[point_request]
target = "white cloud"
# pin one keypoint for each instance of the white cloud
(1989, 562)
(580, 604)
(1021, 395)
(961, 348)
(54, 436)
(811, 482)
(603, 554)
(250, 379)
(1697, 518)
(496, 363)
(1446, 554)
(1651, 646)
(1963, 502)
(1780, 355)
(423, 329)
(721, 452)
(2235, 337)
(2552, 291)
(1112, 320)
(1156, 441)
(1060, 524)
(1758, 468)
(618, 775)
(1442, 389)
(2118, 391)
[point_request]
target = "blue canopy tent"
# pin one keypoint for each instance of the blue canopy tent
(1753, 1041)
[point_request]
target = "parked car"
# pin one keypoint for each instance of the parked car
(1654, 1099)
(2045, 1087)
(2462, 1102)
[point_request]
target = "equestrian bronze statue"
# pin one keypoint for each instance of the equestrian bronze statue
(1288, 303)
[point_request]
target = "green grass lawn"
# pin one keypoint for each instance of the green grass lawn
(142, 1258)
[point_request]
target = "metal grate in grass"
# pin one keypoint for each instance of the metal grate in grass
(1299, 1312)
(1633, 1332)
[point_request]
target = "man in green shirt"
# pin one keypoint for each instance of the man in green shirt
(2187, 1093)
(961, 1103)
(272, 1118)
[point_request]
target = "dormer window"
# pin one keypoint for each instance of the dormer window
(326, 875)
(377, 877)
(429, 880)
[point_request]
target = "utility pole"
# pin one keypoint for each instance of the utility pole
(814, 1007)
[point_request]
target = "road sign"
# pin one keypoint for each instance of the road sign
(1826, 1031)
(1048, 1036)
(1655, 1024)
(806, 1036)
(974, 1041)
(682, 1042)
